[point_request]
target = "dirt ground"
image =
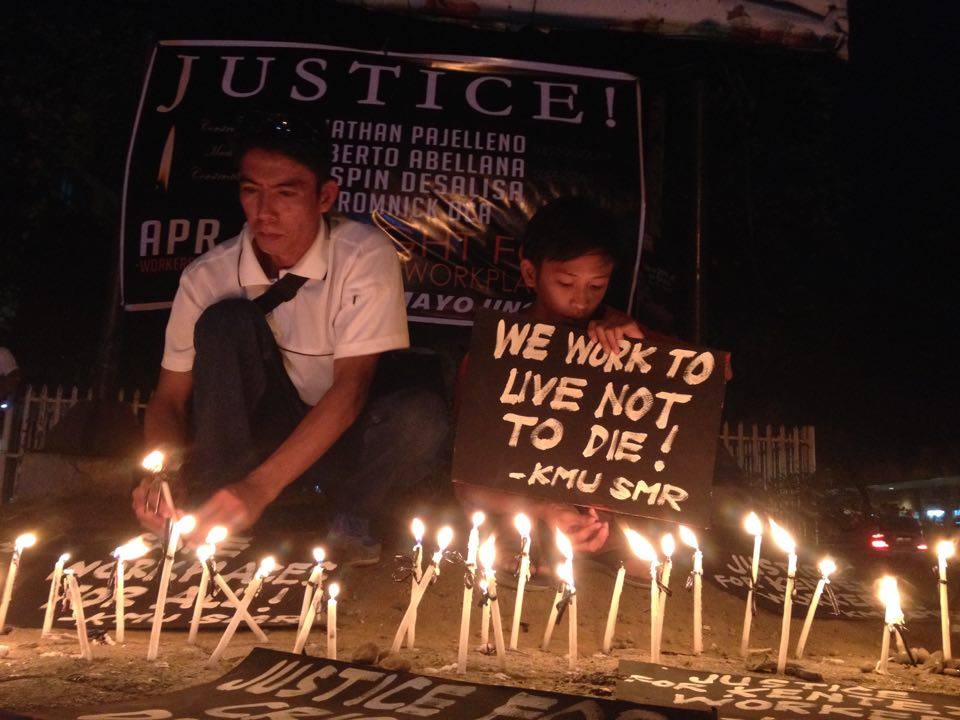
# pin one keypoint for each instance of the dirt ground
(46, 677)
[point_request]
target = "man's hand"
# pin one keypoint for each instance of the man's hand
(586, 532)
(611, 327)
(236, 506)
(149, 507)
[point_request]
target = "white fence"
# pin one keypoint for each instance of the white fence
(29, 419)
(772, 453)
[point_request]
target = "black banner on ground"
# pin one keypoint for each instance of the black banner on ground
(546, 411)
(448, 155)
(750, 697)
(271, 684)
(237, 559)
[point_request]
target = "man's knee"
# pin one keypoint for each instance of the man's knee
(417, 417)
(225, 319)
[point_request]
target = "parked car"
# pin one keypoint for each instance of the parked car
(894, 534)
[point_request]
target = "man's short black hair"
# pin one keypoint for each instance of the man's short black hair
(569, 227)
(291, 135)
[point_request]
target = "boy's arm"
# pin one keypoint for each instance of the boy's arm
(610, 326)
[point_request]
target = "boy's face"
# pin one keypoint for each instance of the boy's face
(568, 290)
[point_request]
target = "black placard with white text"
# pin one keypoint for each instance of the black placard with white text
(545, 411)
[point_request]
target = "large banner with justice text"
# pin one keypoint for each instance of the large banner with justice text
(449, 155)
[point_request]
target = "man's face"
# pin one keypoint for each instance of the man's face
(568, 290)
(283, 204)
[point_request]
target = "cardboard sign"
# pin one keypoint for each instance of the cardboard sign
(448, 155)
(752, 697)
(546, 411)
(277, 685)
(237, 558)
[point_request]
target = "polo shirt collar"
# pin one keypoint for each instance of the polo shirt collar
(313, 264)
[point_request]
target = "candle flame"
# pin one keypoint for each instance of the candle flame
(68, 571)
(565, 573)
(484, 585)
(827, 567)
(266, 566)
(668, 545)
(753, 524)
(890, 597)
(564, 545)
(782, 538)
(24, 541)
(418, 528)
(333, 590)
(153, 462)
(477, 518)
(640, 546)
(688, 537)
(132, 549)
(186, 524)
(63, 558)
(946, 549)
(205, 552)
(217, 534)
(522, 523)
(319, 554)
(444, 538)
(487, 553)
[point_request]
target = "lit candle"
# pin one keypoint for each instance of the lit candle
(266, 567)
(444, 538)
(130, 551)
(566, 549)
(469, 580)
(786, 543)
(205, 552)
(20, 544)
(945, 550)
(893, 615)
(76, 603)
(233, 599)
(333, 590)
(642, 548)
(486, 556)
(689, 538)
(314, 584)
(754, 526)
(154, 463)
(565, 571)
(827, 567)
(417, 528)
(54, 596)
(667, 546)
(522, 523)
(180, 527)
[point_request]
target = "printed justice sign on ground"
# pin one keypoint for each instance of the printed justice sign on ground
(546, 411)
(752, 697)
(271, 684)
(448, 155)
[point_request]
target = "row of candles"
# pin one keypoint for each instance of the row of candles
(479, 573)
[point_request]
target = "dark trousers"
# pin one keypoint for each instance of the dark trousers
(245, 406)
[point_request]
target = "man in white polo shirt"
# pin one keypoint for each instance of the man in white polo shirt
(275, 336)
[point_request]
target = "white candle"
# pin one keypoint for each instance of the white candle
(473, 543)
(314, 584)
(564, 570)
(54, 596)
(20, 544)
(614, 609)
(444, 538)
(205, 554)
(154, 462)
(826, 566)
(945, 551)
(689, 538)
(417, 528)
(334, 590)
(266, 567)
(667, 546)
(893, 615)
(130, 551)
(232, 598)
(753, 525)
(76, 603)
(182, 526)
(786, 543)
(642, 548)
(522, 523)
(487, 554)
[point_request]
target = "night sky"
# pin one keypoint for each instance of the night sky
(830, 216)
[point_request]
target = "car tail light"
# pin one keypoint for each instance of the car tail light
(879, 544)
(922, 546)
(877, 536)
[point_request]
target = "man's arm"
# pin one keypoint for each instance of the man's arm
(240, 505)
(8, 384)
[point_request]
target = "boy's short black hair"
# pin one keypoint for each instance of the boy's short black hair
(569, 227)
(291, 135)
